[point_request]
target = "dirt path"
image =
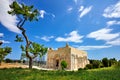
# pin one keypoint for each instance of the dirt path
(12, 65)
(17, 65)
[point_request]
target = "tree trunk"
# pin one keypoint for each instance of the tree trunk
(0, 62)
(30, 63)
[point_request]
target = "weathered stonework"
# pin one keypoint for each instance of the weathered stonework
(75, 58)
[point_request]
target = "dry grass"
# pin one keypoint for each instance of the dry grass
(12, 65)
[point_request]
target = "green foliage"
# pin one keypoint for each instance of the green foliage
(8, 60)
(63, 64)
(18, 39)
(96, 64)
(89, 66)
(22, 10)
(105, 62)
(4, 52)
(112, 61)
(35, 49)
(81, 69)
(23, 56)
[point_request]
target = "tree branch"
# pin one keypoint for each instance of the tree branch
(23, 22)
(18, 25)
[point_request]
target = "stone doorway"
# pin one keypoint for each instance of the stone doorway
(57, 64)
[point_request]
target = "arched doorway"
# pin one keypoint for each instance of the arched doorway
(57, 64)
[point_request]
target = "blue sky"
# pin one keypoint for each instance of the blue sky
(93, 26)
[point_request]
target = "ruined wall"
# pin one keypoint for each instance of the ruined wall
(58, 55)
(75, 58)
(78, 59)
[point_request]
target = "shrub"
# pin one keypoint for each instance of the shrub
(105, 62)
(8, 60)
(80, 69)
(63, 64)
(96, 64)
(89, 66)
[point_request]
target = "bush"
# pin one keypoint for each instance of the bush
(105, 62)
(89, 66)
(80, 69)
(8, 60)
(63, 64)
(96, 64)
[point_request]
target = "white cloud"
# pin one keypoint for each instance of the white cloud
(42, 13)
(1, 34)
(37, 37)
(114, 42)
(69, 9)
(4, 41)
(71, 37)
(46, 38)
(6, 19)
(81, 8)
(53, 15)
(85, 11)
(92, 47)
(75, 1)
(114, 22)
(112, 11)
(103, 34)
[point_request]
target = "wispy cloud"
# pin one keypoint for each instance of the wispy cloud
(114, 42)
(75, 1)
(112, 11)
(46, 38)
(6, 19)
(83, 11)
(4, 41)
(92, 47)
(42, 13)
(103, 34)
(80, 8)
(71, 37)
(114, 22)
(53, 15)
(69, 9)
(37, 37)
(1, 34)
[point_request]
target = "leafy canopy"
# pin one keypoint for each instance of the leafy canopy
(4, 52)
(35, 49)
(22, 10)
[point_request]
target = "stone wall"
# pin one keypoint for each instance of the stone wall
(55, 56)
(75, 58)
(78, 59)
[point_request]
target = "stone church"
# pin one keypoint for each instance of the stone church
(75, 58)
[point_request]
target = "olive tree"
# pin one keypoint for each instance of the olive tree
(26, 13)
(4, 52)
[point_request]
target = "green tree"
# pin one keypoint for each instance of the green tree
(112, 61)
(26, 13)
(63, 64)
(4, 52)
(105, 62)
(8, 60)
(89, 66)
(96, 64)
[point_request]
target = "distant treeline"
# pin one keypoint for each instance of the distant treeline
(105, 62)
(7, 60)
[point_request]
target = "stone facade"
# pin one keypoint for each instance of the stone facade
(75, 58)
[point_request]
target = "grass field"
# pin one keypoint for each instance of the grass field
(111, 73)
